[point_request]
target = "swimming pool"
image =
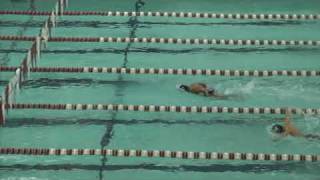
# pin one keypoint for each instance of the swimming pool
(174, 131)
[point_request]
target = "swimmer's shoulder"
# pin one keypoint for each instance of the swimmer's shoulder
(203, 85)
(196, 87)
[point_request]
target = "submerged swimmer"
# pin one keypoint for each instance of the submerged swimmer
(139, 4)
(288, 129)
(201, 89)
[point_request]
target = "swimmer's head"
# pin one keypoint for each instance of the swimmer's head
(279, 129)
(184, 87)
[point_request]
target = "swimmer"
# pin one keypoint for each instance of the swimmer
(139, 4)
(201, 89)
(288, 129)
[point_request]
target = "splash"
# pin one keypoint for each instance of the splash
(312, 123)
(241, 88)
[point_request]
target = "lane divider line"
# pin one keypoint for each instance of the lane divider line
(202, 15)
(170, 71)
(183, 41)
(161, 154)
(165, 108)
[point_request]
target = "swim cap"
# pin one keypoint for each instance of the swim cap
(183, 87)
(278, 129)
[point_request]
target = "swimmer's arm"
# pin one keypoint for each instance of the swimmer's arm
(287, 121)
(290, 128)
(220, 96)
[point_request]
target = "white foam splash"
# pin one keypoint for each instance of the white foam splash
(178, 86)
(312, 123)
(241, 89)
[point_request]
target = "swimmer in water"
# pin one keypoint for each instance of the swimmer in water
(201, 89)
(139, 5)
(288, 129)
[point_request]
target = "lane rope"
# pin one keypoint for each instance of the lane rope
(227, 42)
(170, 71)
(161, 154)
(165, 108)
(206, 15)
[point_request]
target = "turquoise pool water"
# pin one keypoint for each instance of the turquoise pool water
(168, 131)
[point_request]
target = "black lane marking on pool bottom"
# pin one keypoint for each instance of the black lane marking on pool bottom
(5, 59)
(4, 82)
(244, 168)
(114, 25)
(183, 50)
(84, 82)
(18, 122)
(133, 24)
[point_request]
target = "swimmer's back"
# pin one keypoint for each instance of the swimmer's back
(198, 88)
